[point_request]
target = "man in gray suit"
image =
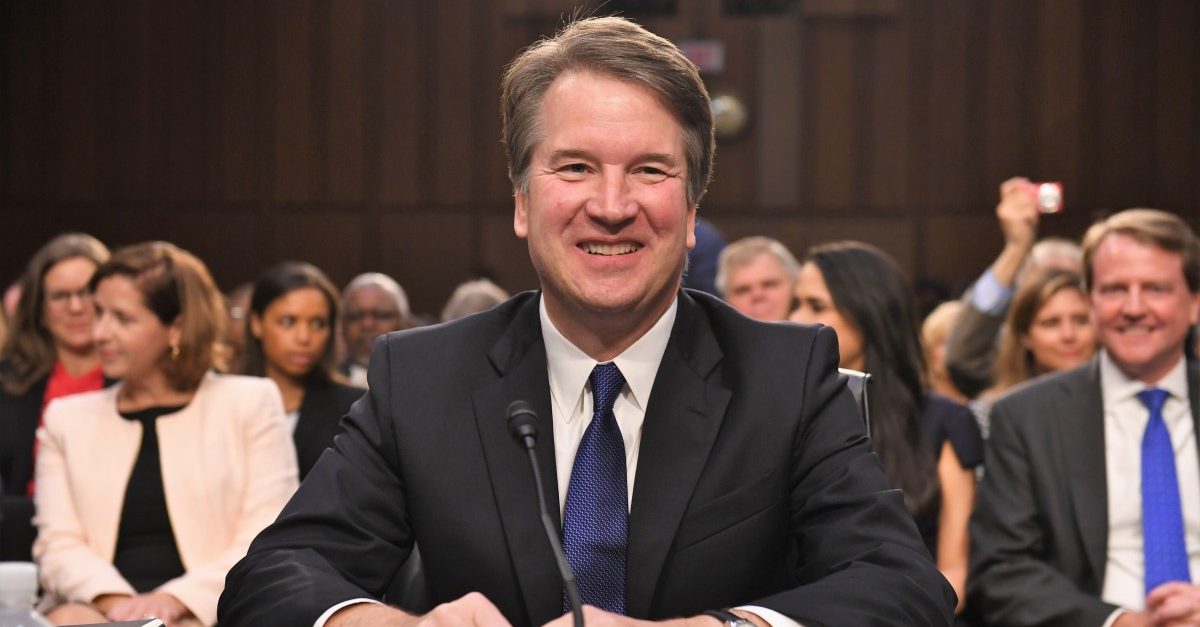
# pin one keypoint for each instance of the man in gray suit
(1089, 514)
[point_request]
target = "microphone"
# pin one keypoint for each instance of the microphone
(522, 425)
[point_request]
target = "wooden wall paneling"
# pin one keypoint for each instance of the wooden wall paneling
(420, 239)
(23, 93)
(829, 119)
(296, 157)
(236, 255)
(735, 170)
(1127, 85)
(947, 121)
(779, 98)
(1177, 147)
(892, 94)
(504, 40)
(180, 74)
(127, 112)
(1060, 95)
(240, 80)
(404, 151)
(371, 109)
(918, 75)
(346, 123)
(455, 167)
(330, 238)
(1007, 140)
(505, 257)
(85, 64)
(960, 246)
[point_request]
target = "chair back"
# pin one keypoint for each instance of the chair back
(859, 384)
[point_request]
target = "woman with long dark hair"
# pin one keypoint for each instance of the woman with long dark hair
(929, 445)
(289, 339)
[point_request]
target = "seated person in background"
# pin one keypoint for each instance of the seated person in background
(971, 347)
(1089, 514)
(757, 276)
(1048, 328)
(292, 315)
(934, 332)
(49, 352)
(929, 445)
(372, 304)
(149, 491)
(473, 297)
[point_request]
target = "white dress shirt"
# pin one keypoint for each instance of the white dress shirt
(568, 369)
(1125, 419)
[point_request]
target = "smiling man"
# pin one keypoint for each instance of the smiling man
(1089, 513)
(703, 468)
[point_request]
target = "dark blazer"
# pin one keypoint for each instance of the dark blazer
(755, 483)
(19, 416)
(971, 348)
(321, 410)
(1039, 533)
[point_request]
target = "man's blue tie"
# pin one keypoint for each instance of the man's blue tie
(596, 515)
(1162, 517)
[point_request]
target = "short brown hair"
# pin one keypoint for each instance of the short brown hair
(615, 47)
(176, 286)
(1154, 227)
(29, 352)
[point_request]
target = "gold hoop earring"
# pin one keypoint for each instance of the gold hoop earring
(174, 353)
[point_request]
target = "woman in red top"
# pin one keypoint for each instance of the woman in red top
(49, 351)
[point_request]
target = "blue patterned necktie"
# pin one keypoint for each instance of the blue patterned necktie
(1162, 517)
(596, 515)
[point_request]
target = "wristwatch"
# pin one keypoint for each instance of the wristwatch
(729, 619)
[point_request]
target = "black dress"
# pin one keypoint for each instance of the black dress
(944, 420)
(321, 413)
(146, 554)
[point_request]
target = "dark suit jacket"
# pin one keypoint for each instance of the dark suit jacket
(321, 410)
(971, 348)
(1039, 533)
(755, 483)
(19, 416)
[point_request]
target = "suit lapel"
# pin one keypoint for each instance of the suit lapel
(682, 419)
(1193, 380)
(1081, 444)
(520, 361)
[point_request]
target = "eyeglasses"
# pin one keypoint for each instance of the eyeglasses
(358, 315)
(61, 299)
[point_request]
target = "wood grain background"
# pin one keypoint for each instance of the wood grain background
(364, 134)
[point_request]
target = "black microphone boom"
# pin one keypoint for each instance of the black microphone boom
(522, 424)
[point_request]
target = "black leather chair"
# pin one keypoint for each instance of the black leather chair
(859, 384)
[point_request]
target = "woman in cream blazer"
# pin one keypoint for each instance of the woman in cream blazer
(224, 456)
(228, 468)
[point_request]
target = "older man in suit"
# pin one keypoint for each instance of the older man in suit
(699, 461)
(1089, 514)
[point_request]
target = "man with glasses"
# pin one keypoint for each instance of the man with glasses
(372, 304)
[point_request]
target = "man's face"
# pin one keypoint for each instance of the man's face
(606, 214)
(1142, 306)
(370, 312)
(760, 289)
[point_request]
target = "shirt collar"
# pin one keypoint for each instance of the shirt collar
(568, 367)
(1118, 387)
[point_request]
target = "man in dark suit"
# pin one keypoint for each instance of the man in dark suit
(1089, 513)
(742, 479)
